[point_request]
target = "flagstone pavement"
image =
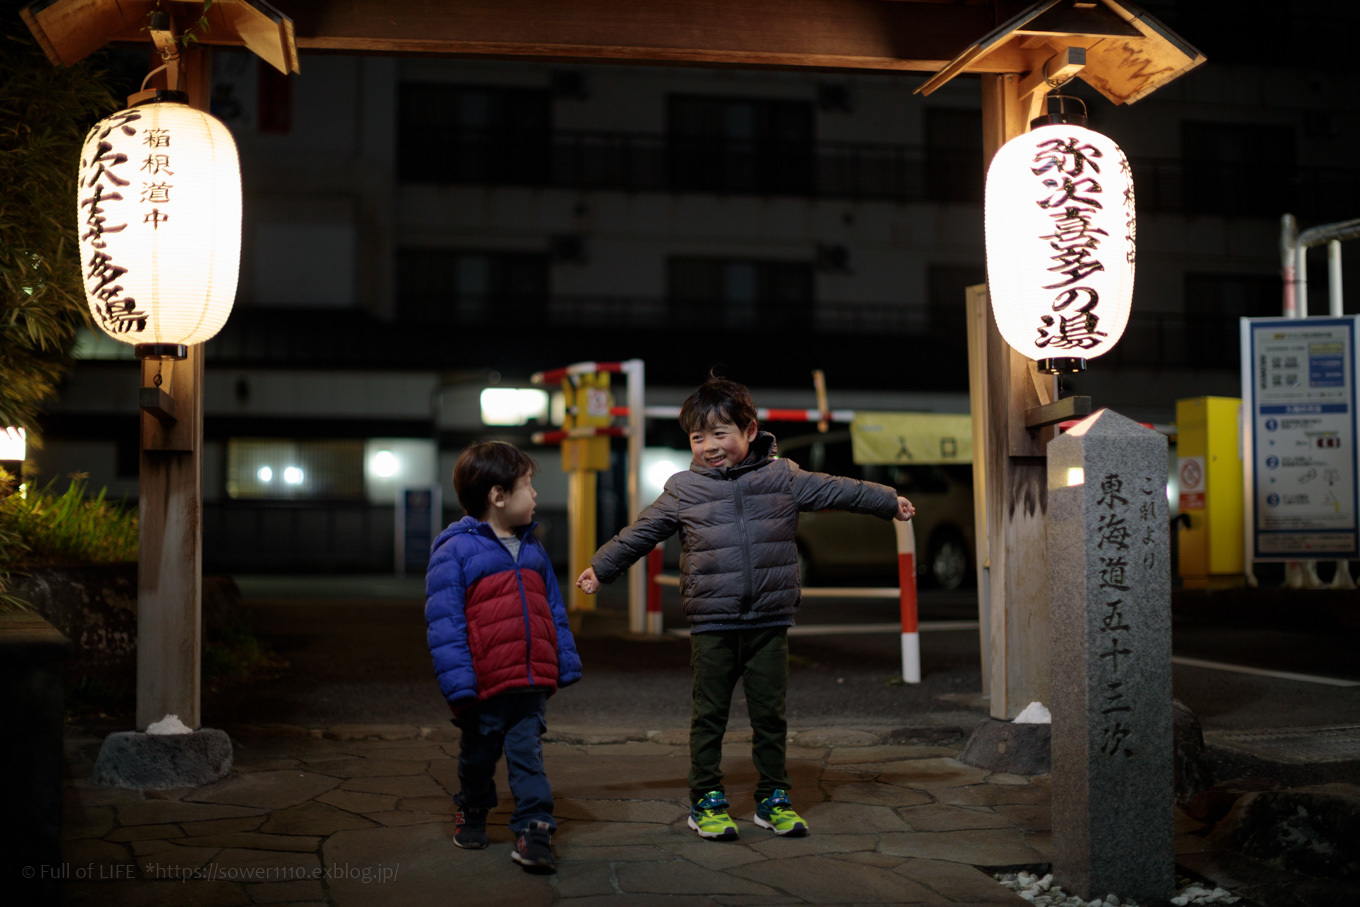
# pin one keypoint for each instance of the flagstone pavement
(363, 815)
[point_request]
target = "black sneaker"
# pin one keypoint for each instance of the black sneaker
(469, 828)
(533, 848)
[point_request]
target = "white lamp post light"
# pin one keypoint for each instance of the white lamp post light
(1060, 242)
(159, 213)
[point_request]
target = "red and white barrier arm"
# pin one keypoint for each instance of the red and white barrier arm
(557, 436)
(906, 576)
(552, 376)
(762, 415)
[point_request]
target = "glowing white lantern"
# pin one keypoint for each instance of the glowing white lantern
(159, 214)
(1060, 243)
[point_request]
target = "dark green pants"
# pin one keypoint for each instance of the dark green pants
(760, 660)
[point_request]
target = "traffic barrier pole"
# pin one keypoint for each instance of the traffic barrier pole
(906, 576)
(655, 564)
(552, 376)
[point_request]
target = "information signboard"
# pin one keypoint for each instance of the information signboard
(1299, 444)
(417, 525)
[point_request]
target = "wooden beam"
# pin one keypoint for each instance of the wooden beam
(1016, 477)
(849, 34)
(170, 555)
(169, 510)
(896, 35)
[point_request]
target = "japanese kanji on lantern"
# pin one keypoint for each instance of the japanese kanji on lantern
(159, 216)
(1060, 242)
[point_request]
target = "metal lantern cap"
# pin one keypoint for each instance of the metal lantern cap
(1061, 118)
(156, 96)
(1069, 365)
(161, 351)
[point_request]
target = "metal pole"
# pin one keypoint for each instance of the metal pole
(1289, 235)
(1303, 574)
(1334, 276)
(1342, 579)
(1301, 281)
(637, 427)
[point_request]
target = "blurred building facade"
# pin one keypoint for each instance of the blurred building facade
(419, 229)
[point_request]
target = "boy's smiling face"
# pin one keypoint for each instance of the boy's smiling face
(721, 444)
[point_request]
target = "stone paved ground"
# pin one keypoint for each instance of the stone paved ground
(358, 815)
(346, 817)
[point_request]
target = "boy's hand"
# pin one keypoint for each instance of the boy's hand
(904, 510)
(587, 582)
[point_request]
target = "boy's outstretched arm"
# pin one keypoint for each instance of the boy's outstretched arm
(658, 522)
(905, 510)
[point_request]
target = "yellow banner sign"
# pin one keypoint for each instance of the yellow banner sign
(878, 438)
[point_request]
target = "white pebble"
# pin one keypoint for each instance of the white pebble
(1180, 900)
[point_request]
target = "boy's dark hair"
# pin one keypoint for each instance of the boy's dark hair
(483, 466)
(717, 400)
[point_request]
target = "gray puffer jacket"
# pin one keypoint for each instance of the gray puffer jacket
(738, 560)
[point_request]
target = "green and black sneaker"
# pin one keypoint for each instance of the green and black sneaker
(709, 818)
(776, 813)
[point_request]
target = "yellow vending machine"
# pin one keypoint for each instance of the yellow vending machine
(1209, 473)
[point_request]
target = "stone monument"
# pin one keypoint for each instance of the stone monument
(1110, 614)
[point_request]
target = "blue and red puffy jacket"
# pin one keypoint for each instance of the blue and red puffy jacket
(495, 623)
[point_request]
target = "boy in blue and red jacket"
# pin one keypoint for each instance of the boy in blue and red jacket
(501, 645)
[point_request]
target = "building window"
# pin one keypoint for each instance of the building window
(290, 469)
(737, 145)
(453, 286)
(740, 294)
(1213, 305)
(953, 166)
(484, 135)
(948, 305)
(1238, 168)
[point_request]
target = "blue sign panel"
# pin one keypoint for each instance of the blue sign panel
(1299, 438)
(419, 509)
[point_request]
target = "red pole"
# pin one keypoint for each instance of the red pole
(906, 578)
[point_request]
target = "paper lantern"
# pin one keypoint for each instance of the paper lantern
(159, 214)
(1060, 243)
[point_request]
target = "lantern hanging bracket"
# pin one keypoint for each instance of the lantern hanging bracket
(1056, 71)
(1062, 410)
(158, 403)
(162, 29)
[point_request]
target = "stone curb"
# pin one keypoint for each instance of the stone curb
(814, 738)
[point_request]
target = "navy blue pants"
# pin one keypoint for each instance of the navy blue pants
(512, 723)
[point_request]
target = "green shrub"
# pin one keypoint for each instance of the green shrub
(46, 528)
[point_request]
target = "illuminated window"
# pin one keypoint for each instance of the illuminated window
(294, 469)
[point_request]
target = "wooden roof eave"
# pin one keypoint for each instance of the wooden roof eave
(1129, 54)
(70, 30)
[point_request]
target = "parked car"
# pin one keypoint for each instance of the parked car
(834, 545)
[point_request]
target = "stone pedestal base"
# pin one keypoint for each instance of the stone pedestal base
(1004, 746)
(162, 761)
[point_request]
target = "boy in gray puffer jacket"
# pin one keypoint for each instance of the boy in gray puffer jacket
(737, 514)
